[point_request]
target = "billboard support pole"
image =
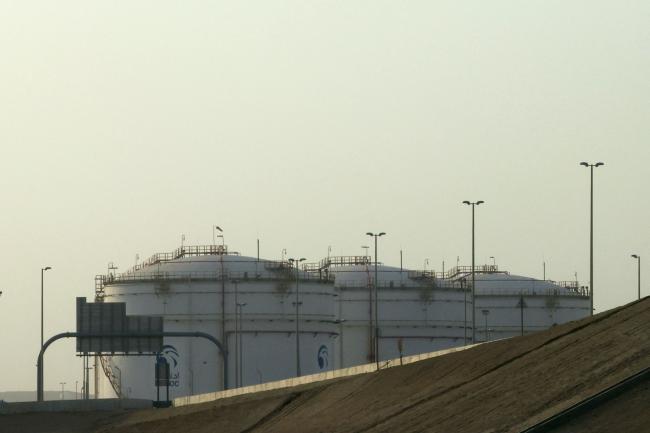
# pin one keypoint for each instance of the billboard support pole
(40, 367)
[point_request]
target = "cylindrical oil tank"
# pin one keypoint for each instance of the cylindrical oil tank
(257, 307)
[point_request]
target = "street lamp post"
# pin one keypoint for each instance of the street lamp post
(371, 343)
(47, 268)
(521, 305)
(473, 204)
(296, 262)
(591, 235)
(62, 390)
(485, 313)
(638, 261)
(234, 282)
(463, 285)
(240, 367)
(376, 333)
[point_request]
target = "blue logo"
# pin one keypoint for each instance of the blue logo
(170, 354)
(322, 357)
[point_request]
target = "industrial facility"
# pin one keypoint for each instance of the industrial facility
(284, 318)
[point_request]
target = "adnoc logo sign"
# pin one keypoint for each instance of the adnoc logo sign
(322, 357)
(170, 354)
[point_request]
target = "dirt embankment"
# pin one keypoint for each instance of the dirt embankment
(504, 386)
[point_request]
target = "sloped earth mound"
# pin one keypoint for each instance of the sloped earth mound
(504, 386)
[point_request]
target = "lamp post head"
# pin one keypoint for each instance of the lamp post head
(466, 202)
(47, 268)
(584, 163)
(598, 164)
(370, 234)
(479, 202)
(218, 228)
(381, 234)
(636, 256)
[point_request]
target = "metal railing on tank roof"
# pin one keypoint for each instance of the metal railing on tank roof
(531, 291)
(423, 275)
(333, 261)
(456, 285)
(396, 284)
(457, 270)
(573, 286)
(277, 265)
(102, 281)
(184, 251)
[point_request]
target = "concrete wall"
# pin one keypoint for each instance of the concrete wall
(334, 374)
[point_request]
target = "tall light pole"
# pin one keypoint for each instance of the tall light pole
(240, 367)
(638, 261)
(473, 204)
(296, 262)
(234, 282)
(47, 268)
(376, 333)
(62, 390)
(463, 285)
(486, 313)
(591, 235)
(521, 304)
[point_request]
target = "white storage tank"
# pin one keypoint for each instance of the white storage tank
(250, 306)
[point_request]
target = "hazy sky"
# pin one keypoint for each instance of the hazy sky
(308, 123)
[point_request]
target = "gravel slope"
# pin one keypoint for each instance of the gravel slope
(503, 386)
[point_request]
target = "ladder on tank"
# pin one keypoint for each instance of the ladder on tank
(114, 379)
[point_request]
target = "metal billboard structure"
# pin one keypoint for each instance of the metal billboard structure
(120, 334)
(104, 328)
